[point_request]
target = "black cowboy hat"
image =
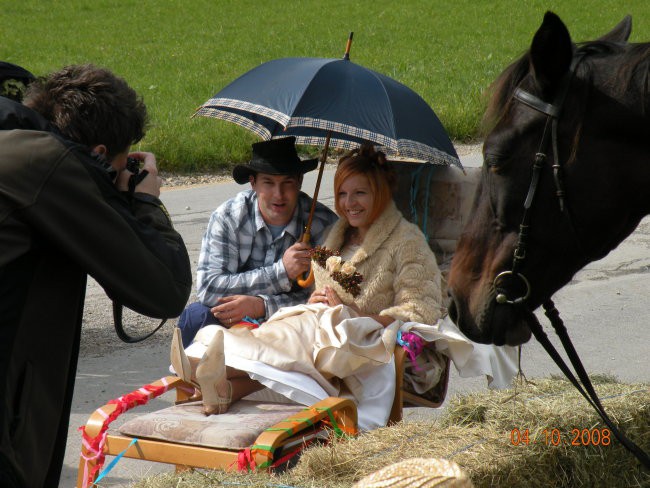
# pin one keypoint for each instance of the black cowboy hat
(274, 157)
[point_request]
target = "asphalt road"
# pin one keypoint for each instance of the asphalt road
(605, 308)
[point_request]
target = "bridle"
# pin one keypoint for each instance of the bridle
(552, 112)
(584, 386)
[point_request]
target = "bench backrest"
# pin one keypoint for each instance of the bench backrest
(437, 199)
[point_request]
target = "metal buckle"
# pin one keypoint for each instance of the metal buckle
(502, 298)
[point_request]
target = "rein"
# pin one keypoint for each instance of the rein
(584, 386)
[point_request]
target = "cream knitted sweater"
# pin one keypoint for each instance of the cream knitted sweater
(401, 278)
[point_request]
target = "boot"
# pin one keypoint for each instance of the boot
(211, 377)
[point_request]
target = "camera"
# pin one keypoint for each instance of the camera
(133, 165)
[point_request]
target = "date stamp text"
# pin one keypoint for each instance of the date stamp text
(555, 437)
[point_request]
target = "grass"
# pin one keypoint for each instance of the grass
(537, 435)
(178, 53)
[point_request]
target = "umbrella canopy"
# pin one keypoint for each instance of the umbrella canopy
(310, 97)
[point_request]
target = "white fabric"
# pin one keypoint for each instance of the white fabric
(372, 388)
(498, 363)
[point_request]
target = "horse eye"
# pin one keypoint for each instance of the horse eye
(492, 161)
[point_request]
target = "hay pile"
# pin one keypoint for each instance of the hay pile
(477, 431)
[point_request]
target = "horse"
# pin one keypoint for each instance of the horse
(564, 180)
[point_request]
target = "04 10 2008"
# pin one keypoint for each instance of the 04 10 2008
(555, 437)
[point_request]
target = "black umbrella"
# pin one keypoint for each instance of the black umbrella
(311, 97)
(336, 102)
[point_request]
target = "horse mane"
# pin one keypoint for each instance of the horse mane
(634, 65)
(501, 90)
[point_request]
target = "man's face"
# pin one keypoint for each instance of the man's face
(119, 160)
(277, 196)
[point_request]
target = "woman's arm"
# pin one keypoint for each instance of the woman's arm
(417, 282)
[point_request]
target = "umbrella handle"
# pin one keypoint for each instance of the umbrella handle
(308, 280)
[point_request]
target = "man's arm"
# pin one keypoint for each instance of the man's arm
(272, 303)
(225, 244)
(130, 248)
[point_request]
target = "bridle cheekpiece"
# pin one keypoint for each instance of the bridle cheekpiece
(552, 112)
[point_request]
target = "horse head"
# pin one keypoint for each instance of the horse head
(564, 180)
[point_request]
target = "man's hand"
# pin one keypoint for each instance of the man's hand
(150, 184)
(296, 259)
(231, 310)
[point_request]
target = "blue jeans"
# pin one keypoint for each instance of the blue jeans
(195, 316)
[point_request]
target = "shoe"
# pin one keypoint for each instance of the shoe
(211, 377)
(178, 358)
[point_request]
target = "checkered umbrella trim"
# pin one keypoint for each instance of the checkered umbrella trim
(431, 155)
(217, 103)
(245, 122)
(344, 136)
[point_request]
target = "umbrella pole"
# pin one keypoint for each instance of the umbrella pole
(306, 237)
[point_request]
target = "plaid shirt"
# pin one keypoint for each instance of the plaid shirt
(240, 257)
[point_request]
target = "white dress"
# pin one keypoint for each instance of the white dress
(310, 352)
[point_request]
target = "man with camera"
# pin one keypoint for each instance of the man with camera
(252, 252)
(66, 211)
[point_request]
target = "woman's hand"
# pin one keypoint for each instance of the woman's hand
(332, 297)
(318, 296)
(327, 296)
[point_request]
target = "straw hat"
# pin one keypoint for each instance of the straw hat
(417, 473)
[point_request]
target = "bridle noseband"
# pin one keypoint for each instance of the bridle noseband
(552, 112)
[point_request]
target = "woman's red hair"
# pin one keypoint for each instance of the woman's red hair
(365, 160)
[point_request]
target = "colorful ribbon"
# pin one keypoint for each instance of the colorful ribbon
(94, 446)
(249, 322)
(112, 464)
(413, 344)
(246, 457)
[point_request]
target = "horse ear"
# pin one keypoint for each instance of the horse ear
(620, 33)
(551, 52)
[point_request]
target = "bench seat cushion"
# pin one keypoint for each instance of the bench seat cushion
(186, 424)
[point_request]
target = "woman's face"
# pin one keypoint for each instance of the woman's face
(355, 199)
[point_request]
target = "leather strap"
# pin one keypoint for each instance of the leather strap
(119, 327)
(584, 386)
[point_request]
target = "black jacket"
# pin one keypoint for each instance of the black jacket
(61, 218)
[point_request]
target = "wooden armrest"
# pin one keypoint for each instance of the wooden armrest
(97, 418)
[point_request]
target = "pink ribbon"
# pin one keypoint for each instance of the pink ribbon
(94, 446)
(413, 344)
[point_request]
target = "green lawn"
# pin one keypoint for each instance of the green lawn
(178, 53)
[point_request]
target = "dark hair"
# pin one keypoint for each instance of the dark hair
(367, 161)
(91, 106)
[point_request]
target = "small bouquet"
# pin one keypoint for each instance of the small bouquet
(344, 273)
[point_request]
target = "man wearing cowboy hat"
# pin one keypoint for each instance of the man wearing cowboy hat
(251, 253)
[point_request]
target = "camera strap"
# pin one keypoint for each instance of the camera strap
(119, 327)
(135, 179)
